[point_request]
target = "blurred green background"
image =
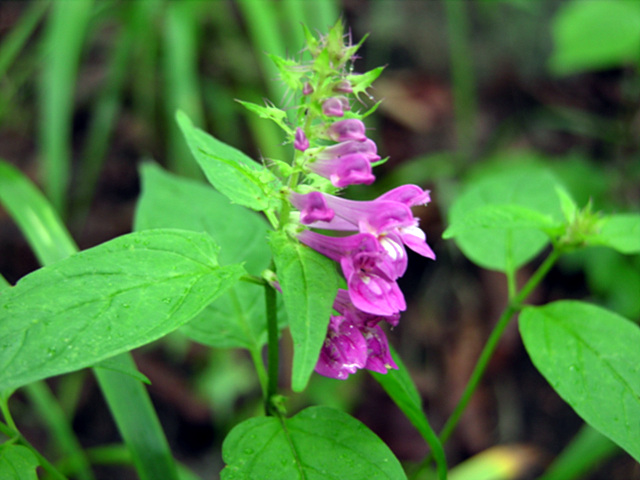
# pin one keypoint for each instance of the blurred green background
(89, 90)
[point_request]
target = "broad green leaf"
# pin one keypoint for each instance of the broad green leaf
(401, 389)
(595, 35)
(590, 356)
(238, 317)
(309, 283)
(235, 175)
(506, 217)
(319, 443)
(17, 463)
(37, 219)
(522, 185)
(620, 232)
(106, 300)
(51, 241)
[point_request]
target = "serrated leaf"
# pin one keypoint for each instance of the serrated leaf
(234, 174)
(319, 443)
(500, 217)
(17, 463)
(590, 356)
(309, 283)
(620, 232)
(361, 82)
(106, 300)
(268, 112)
(237, 318)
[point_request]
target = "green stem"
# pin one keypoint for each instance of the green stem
(261, 371)
(514, 306)
(272, 326)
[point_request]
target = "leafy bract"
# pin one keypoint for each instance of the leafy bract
(530, 191)
(106, 300)
(309, 283)
(590, 356)
(237, 317)
(319, 443)
(233, 173)
(17, 463)
(595, 35)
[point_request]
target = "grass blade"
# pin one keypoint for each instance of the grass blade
(62, 46)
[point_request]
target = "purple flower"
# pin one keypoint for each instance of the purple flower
(301, 141)
(313, 207)
(354, 341)
(370, 271)
(367, 148)
(388, 217)
(344, 86)
(343, 171)
(378, 355)
(335, 106)
(344, 351)
(349, 129)
(307, 89)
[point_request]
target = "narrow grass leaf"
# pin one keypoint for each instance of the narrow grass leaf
(319, 443)
(61, 49)
(584, 454)
(180, 67)
(309, 284)
(400, 387)
(35, 216)
(13, 42)
(134, 414)
(106, 300)
(590, 356)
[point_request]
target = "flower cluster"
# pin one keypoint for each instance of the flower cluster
(333, 152)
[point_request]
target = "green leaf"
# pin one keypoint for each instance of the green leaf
(106, 300)
(36, 217)
(499, 217)
(275, 114)
(528, 186)
(309, 283)
(17, 463)
(361, 82)
(401, 389)
(595, 35)
(133, 412)
(238, 317)
(590, 356)
(234, 174)
(620, 232)
(319, 443)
